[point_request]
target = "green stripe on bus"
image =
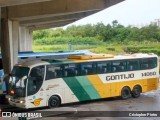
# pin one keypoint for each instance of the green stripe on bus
(0, 87)
(76, 88)
(88, 87)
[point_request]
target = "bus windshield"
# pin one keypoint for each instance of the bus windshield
(16, 83)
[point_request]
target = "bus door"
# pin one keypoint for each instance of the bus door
(36, 96)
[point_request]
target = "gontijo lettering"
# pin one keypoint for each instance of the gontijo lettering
(120, 77)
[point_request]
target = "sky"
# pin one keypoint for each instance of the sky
(129, 12)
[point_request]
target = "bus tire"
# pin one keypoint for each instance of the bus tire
(136, 92)
(125, 93)
(54, 102)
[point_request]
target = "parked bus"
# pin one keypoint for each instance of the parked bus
(29, 56)
(81, 78)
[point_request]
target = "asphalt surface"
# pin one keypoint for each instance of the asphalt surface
(112, 109)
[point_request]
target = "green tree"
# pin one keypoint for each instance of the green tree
(97, 33)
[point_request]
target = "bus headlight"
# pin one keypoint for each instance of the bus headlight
(22, 101)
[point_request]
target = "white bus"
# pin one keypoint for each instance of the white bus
(28, 56)
(80, 78)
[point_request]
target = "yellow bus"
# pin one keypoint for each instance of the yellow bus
(81, 78)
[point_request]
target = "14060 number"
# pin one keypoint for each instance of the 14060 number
(148, 74)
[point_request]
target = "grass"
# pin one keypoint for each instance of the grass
(111, 48)
(92, 48)
(49, 48)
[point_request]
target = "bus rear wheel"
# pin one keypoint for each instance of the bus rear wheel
(136, 92)
(125, 93)
(54, 102)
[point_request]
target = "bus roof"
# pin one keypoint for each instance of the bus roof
(136, 55)
(85, 58)
(99, 57)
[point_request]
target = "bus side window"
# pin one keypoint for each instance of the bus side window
(37, 73)
(144, 64)
(71, 70)
(84, 71)
(50, 74)
(99, 68)
(88, 68)
(118, 66)
(155, 61)
(122, 66)
(152, 63)
(103, 67)
(132, 65)
(58, 71)
(53, 71)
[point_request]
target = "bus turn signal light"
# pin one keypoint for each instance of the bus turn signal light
(12, 91)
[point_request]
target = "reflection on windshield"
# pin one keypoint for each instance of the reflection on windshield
(17, 84)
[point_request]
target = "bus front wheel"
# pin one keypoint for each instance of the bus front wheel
(136, 91)
(125, 93)
(54, 101)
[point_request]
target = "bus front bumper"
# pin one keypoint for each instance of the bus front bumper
(16, 102)
(20, 105)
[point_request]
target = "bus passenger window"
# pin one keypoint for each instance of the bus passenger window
(71, 70)
(84, 72)
(53, 71)
(148, 63)
(118, 66)
(144, 64)
(155, 61)
(152, 63)
(114, 69)
(103, 67)
(88, 68)
(132, 65)
(58, 71)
